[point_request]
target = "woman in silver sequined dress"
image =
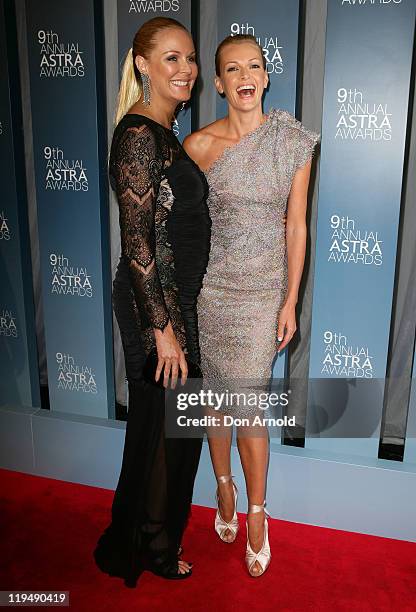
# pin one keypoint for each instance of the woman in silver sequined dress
(258, 169)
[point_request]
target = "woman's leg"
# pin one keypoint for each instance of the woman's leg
(219, 440)
(253, 446)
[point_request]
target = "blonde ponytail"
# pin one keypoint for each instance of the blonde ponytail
(130, 88)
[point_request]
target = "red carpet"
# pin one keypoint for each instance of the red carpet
(48, 530)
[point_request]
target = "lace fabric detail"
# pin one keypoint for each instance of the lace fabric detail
(165, 261)
(164, 226)
(166, 198)
(138, 171)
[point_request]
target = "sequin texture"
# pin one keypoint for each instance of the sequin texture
(246, 280)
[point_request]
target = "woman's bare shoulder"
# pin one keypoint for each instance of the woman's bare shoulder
(199, 142)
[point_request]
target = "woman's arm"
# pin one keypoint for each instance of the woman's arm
(139, 175)
(296, 246)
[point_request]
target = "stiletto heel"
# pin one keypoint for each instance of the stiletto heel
(220, 525)
(264, 555)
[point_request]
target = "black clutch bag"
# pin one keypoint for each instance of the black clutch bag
(150, 366)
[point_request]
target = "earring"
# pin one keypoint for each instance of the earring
(182, 106)
(146, 88)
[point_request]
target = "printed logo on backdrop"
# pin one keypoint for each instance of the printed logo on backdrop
(344, 359)
(67, 279)
(74, 377)
(368, 2)
(153, 6)
(350, 243)
(59, 58)
(8, 325)
(4, 227)
(359, 119)
(63, 174)
(175, 128)
(272, 50)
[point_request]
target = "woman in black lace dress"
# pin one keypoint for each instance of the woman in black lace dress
(165, 231)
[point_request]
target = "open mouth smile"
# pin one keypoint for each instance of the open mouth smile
(181, 83)
(246, 91)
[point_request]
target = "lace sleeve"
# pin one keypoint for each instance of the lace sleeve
(138, 173)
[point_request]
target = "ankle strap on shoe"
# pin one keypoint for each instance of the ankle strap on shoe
(224, 479)
(254, 508)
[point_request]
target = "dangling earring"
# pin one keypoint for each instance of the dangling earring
(146, 88)
(182, 106)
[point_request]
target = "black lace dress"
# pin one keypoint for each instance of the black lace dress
(165, 235)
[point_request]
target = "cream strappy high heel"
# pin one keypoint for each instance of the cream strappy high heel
(220, 525)
(264, 555)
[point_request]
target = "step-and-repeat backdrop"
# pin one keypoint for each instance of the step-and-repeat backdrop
(366, 96)
(19, 379)
(65, 59)
(368, 67)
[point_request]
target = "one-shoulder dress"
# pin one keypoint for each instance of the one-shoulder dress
(165, 236)
(246, 280)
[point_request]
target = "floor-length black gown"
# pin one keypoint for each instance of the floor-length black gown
(165, 234)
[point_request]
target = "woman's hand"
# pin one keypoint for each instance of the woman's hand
(286, 325)
(171, 357)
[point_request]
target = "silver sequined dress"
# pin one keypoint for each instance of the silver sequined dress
(246, 280)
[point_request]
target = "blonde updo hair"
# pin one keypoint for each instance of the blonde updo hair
(235, 39)
(144, 41)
